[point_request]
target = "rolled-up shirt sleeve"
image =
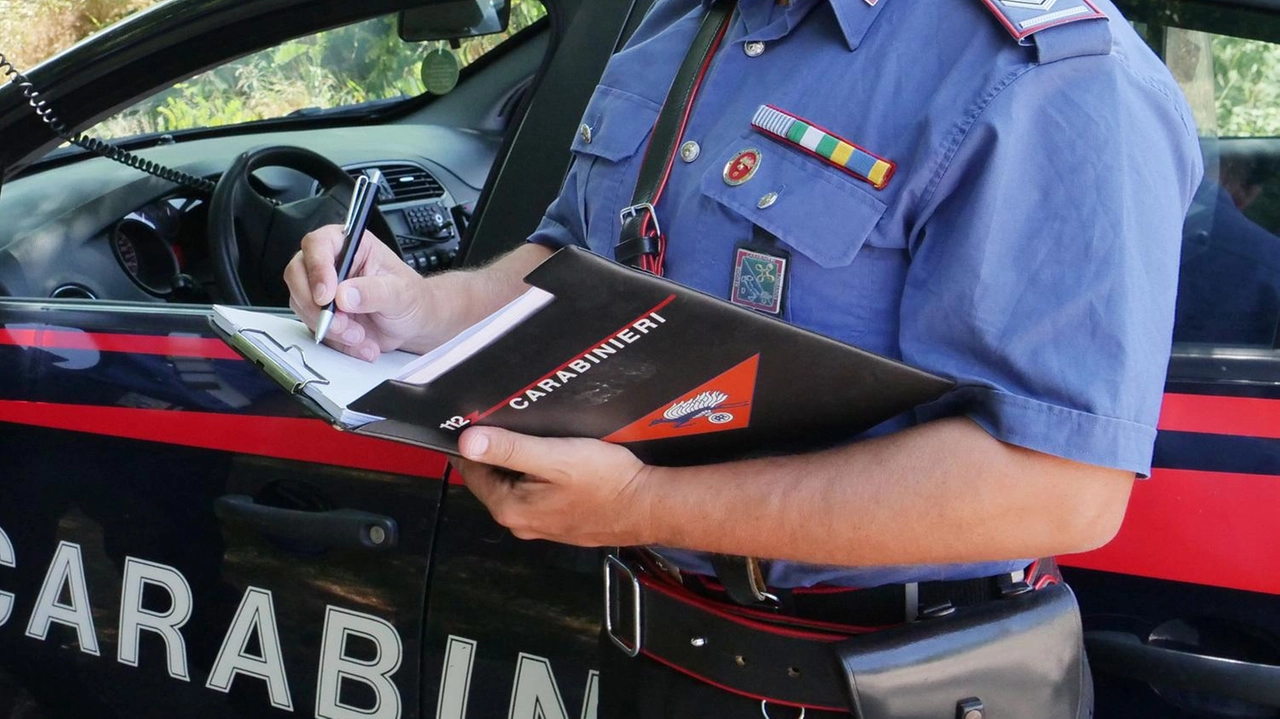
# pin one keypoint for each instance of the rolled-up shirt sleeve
(564, 224)
(1044, 273)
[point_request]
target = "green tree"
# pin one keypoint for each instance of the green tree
(1247, 87)
(345, 66)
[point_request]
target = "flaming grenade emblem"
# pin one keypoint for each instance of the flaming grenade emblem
(704, 405)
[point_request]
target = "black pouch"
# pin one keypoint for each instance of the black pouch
(1018, 657)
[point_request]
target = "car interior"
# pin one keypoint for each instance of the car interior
(80, 227)
(1229, 286)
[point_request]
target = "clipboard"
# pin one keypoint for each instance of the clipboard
(677, 376)
(296, 385)
(299, 366)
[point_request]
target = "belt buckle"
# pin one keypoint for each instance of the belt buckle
(611, 565)
(635, 210)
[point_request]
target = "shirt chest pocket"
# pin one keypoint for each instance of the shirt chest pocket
(606, 149)
(845, 274)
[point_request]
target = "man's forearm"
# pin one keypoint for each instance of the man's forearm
(942, 492)
(465, 297)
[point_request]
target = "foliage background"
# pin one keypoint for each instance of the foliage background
(1247, 86)
(346, 66)
(34, 30)
(302, 74)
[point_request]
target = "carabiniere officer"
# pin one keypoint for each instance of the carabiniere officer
(992, 190)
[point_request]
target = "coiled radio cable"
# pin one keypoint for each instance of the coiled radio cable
(92, 144)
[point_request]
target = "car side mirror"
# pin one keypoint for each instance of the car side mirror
(453, 20)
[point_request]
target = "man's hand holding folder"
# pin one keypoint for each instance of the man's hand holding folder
(946, 478)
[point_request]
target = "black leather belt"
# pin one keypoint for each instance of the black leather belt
(773, 663)
(780, 656)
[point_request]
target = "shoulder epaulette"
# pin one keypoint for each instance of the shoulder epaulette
(1024, 18)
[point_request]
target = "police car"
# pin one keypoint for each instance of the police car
(179, 538)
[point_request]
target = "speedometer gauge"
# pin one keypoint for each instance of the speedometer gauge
(145, 256)
(122, 243)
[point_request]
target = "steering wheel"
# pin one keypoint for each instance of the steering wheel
(252, 239)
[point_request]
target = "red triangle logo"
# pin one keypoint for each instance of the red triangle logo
(722, 404)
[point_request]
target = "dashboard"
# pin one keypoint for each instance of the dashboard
(98, 230)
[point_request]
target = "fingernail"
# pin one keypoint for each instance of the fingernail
(352, 336)
(352, 297)
(368, 354)
(477, 445)
(319, 291)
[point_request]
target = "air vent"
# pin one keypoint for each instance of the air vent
(408, 183)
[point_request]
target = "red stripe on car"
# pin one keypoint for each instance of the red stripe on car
(1209, 414)
(1210, 528)
(165, 346)
(303, 440)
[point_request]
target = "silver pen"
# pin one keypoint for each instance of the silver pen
(362, 199)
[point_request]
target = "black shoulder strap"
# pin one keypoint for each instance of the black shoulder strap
(665, 140)
(640, 236)
(530, 167)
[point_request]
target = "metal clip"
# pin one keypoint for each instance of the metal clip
(281, 355)
(612, 563)
(764, 709)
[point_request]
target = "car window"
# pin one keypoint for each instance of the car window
(1228, 64)
(347, 67)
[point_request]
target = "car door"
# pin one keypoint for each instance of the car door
(1182, 609)
(180, 541)
(177, 536)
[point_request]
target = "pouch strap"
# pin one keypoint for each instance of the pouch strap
(742, 579)
(641, 243)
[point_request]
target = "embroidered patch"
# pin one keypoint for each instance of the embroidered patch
(758, 281)
(836, 150)
(742, 167)
(1023, 18)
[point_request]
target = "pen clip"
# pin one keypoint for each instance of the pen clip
(363, 185)
(299, 384)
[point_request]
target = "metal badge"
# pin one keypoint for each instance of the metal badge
(759, 280)
(742, 167)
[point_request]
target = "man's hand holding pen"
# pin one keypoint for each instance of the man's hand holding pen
(382, 304)
(359, 296)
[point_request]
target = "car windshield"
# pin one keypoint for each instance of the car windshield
(342, 69)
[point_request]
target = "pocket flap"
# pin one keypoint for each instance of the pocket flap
(817, 211)
(618, 124)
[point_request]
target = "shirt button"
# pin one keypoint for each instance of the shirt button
(689, 151)
(753, 49)
(585, 132)
(767, 201)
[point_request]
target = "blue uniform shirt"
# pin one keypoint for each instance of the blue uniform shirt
(1027, 245)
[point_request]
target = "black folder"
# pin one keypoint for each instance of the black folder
(677, 376)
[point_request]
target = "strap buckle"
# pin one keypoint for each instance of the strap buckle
(636, 239)
(611, 565)
(635, 210)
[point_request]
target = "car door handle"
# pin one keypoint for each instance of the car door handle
(338, 528)
(1125, 655)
